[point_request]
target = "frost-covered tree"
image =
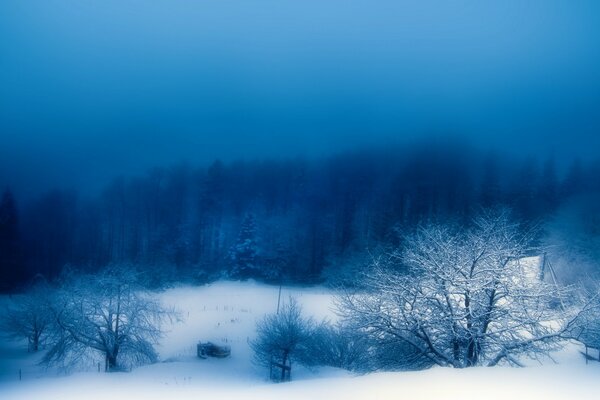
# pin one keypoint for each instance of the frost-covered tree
(107, 314)
(470, 297)
(28, 316)
(280, 339)
(244, 254)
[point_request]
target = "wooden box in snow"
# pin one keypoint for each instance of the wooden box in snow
(209, 349)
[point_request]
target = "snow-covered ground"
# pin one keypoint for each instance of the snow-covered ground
(226, 312)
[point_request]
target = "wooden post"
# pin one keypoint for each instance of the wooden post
(20, 374)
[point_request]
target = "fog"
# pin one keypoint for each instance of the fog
(95, 89)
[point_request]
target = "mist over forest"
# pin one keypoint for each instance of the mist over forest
(294, 220)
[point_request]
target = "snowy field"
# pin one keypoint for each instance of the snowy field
(226, 312)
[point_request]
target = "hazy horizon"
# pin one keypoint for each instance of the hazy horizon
(93, 90)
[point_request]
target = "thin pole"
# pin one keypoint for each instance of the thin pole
(279, 299)
(271, 361)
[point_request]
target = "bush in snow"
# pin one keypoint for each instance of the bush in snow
(281, 338)
(335, 346)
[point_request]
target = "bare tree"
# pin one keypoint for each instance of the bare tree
(28, 316)
(280, 339)
(109, 314)
(469, 298)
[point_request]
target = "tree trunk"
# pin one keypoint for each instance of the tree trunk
(111, 361)
(472, 353)
(456, 351)
(284, 364)
(35, 344)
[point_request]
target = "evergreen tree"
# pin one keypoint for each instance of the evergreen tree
(573, 183)
(523, 194)
(490, 191)
(11, 271)
(244, 254)
(548, 190)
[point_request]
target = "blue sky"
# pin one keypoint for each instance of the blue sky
(91, 89)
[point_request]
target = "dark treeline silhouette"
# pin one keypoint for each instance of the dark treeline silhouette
(11, 261)
(280, 219)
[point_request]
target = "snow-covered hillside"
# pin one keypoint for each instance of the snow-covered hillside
(226, 312)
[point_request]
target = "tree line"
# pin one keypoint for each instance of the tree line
(448, 296)
(291, 219)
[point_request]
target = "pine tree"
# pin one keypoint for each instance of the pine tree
(11, 272)
(548, 189)
(490, 191)
(573, 183)
(522, 194)
(244, 255)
